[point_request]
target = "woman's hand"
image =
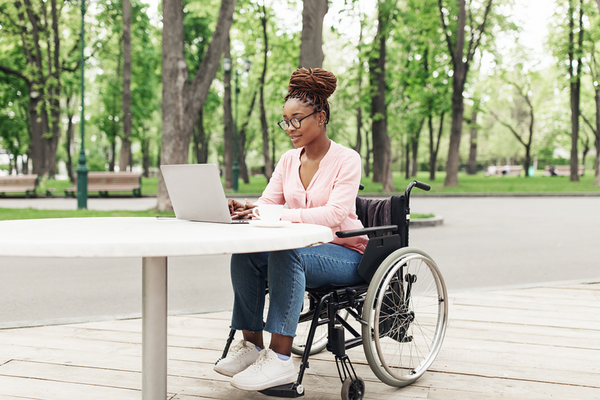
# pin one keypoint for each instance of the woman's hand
(240, 210)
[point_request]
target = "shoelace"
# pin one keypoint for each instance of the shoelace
(262, 359)
(240, 349)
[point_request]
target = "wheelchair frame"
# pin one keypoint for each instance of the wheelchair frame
(392, 271)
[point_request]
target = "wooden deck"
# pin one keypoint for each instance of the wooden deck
(536, 343)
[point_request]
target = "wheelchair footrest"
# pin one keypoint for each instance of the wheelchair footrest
(290, 390)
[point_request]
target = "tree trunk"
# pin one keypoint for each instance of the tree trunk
(242, 137)
(575, 85)
(112, 157)
(38, 130)
(311, 44)
(382, 152)
(367, 156)
(54, 89)
(182, 101)
(359, 78)
(201, 140)
(460, 62)
(69, 140)
(458, 86)
(125, 155)
(263, 116)
(415, 150)
(434, 146)
(407, 160)
(229, 128)
(146, 156)
(472, 168)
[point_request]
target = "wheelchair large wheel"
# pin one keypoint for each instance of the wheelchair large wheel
(405, 314)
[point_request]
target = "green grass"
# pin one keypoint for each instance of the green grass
(480, 184)
(468, 184)
(472, 184)
(30, 213)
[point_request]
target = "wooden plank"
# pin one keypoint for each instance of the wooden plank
(111, 378)
(573, 320)
(523, 350)
(33, 339)
(525, 334)
(40, 389)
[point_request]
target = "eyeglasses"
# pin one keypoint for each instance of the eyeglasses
(295, 122)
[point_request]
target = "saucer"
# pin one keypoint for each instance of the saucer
(265, 224)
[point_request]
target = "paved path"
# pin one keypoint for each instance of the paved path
(484, 243)
(129, 203)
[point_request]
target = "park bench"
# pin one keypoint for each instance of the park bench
(18, 183)
(103, 182)
(563, 170)
(515, 170)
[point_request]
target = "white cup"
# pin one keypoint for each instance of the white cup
(268, 212)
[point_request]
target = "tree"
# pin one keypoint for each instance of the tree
(575, 67)
(14, 136)
(182, 100)
(455, 39)
(311, 45)
(527, 118)
(472, 165)
(228, 124)
(261, 89)
(125, 157)
(382, 149)
(595, 75)
(38, 26)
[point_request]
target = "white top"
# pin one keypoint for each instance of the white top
(148, 237)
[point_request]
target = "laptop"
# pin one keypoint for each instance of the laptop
(196, 193)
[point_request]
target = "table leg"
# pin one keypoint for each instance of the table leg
(154, 328)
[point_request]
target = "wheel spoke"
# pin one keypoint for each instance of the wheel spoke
(406, 317)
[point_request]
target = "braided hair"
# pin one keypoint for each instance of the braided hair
(313, 86)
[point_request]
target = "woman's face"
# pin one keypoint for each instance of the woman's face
(311, 127)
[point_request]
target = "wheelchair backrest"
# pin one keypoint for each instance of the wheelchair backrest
(392, 211)
(372, 212)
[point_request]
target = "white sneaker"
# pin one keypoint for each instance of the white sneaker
(266, 372)
(240, 357)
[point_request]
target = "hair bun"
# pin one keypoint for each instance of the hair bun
(316, 81)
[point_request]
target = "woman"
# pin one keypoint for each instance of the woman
(319, 181)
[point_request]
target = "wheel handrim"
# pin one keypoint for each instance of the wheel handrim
(405, 362)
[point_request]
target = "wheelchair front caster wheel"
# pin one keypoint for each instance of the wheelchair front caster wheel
(300, 390)
(353, 389)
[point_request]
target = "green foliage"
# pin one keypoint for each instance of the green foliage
(418, 75)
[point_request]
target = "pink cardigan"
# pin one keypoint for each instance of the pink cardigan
(330, 197)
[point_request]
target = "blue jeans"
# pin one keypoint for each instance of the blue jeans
(288, 272)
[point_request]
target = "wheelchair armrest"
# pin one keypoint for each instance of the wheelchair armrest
(378, 230)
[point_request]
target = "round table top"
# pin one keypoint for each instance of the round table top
(148, 237)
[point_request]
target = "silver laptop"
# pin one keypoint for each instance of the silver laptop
(196, 193)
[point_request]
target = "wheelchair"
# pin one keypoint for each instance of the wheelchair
(401, 308)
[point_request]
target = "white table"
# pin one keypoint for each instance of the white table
(154, 240)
